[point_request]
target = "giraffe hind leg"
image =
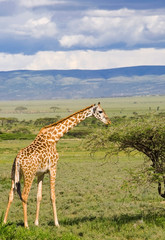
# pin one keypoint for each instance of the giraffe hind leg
(25, 193)
(11, 197)
(39, 197)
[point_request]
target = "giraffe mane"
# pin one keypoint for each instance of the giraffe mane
(63, 119)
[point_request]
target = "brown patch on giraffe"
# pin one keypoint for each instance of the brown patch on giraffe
(53, 138)
(63, 127)
(58, 136)
(70, 124)
(49, 135)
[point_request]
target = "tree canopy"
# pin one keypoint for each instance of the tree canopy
(143, 134)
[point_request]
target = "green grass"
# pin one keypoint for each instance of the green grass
(91, 200)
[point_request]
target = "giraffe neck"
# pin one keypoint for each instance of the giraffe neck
(54, 132)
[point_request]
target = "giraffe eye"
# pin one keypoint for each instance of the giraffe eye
(100, 111)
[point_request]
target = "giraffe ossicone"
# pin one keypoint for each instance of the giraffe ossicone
(41, 157)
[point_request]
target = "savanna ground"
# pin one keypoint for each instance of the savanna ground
(93, 201)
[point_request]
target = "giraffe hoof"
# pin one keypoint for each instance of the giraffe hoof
(36, 223)
(57, 225)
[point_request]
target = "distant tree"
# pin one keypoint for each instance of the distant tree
(2, 121)
(54, 108)
(135, 113)
(143, 135)
(20, 109)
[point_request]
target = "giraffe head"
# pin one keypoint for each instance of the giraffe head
(100, 114)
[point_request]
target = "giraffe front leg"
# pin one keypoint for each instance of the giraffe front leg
(11, 197)
(39, 197)
(53, 196)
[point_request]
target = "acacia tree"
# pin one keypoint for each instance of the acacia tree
(145, 135)
(54, 108)
(20, 109)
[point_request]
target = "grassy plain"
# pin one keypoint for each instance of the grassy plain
(113, 107)
(91, 200)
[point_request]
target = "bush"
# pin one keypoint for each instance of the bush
(21, 130)
(8, 121)
(46, 121)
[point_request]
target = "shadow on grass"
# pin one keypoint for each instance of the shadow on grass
(150, 216)
(17, 224)
(20, 223)
(156, 218)
(73, 221)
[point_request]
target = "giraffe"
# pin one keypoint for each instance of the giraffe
(41, 157)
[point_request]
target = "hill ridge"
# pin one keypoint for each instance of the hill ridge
(55, 84)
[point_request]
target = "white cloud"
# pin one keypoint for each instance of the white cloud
(39, 27)
(38, 3)
(28, 24)
(82, 59)
(110, 27)
(81, 40)
(85, 29)
(36, 27)
(14, 61)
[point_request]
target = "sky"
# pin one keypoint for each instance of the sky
(81, 34)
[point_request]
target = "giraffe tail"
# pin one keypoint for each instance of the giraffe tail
(16, 177)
